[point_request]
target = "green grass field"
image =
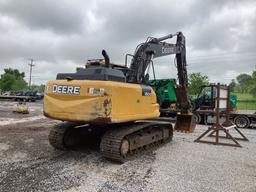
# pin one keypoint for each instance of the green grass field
(244, 96)
(245, 101)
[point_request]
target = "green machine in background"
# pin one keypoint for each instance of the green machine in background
(165, 92)
(233, 99)
(166, 96)
(205, 99)
(203, 103)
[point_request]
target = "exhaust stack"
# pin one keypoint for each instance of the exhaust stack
(106, 58)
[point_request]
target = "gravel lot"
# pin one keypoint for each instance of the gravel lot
(29, 163)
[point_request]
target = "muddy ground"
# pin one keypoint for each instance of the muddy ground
(29, 163)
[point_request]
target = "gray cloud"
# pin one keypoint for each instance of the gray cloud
(58, 16)
(61, 35)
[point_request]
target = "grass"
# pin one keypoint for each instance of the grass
(245, 101)
(244, 96)
(242, 105)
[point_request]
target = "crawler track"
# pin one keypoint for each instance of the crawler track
(121, 142)
(125, 142)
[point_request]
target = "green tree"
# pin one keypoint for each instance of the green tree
(6, 82)
(252, 86)
(244, 81)
(12, 80)
(232, 85)
(195, 81)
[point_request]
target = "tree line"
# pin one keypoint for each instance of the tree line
(244, 83)
(13, 80)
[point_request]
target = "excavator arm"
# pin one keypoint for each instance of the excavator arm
(157, 47)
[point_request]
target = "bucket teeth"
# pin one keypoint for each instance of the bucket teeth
(185, 123)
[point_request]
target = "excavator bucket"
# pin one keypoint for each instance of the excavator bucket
(185, 123)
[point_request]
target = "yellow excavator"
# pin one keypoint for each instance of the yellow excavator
(117, 100)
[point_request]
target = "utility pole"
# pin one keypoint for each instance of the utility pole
(30, 73)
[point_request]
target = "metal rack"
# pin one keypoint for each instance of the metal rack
(222, 105)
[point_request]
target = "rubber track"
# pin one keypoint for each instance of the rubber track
(111, 141)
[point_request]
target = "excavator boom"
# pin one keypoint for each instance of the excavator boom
(157, 47)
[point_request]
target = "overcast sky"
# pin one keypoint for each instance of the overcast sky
(62, 35)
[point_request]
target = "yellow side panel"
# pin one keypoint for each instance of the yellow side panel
(116, 102)
(129, 104)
